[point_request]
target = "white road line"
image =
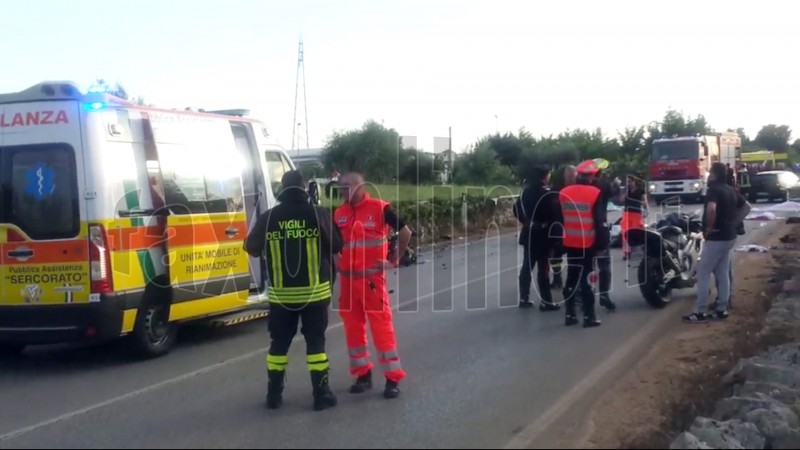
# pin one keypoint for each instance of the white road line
(261, 351)
(527, 437)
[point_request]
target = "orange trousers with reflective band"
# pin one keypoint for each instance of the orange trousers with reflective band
(630, 220)
(365, 300)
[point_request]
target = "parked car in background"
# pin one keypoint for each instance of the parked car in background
(773, 185)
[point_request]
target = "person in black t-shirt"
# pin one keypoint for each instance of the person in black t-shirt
(536, 210)
(721, 214)
(609, 192)
(567, 178)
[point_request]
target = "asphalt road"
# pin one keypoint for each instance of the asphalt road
(482, 373)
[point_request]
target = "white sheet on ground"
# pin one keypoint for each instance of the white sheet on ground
(781, 207)
(761, 216)
(752, 249)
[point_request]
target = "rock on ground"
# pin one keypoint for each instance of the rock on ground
(764, 411)
(689, 441)
(733, 434)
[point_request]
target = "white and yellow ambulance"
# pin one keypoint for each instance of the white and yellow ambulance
(121, 220)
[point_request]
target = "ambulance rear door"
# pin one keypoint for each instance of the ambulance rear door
(255, 191)
(43, 231)
(201, 176)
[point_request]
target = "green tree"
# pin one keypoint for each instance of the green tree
(774, 137)
(312, 169)
(376, 152)
(117, 90)
(632, 154)
(742, 135)
(480, 167)
(509, 148)
(418, 167)
(675, 123)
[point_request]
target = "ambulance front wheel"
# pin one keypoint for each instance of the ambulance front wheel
(153, 335)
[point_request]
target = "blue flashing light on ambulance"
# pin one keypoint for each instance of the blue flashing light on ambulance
(119, 220)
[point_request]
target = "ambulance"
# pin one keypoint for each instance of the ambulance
(121, 220)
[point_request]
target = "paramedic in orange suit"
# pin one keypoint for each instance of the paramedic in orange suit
(365, 223)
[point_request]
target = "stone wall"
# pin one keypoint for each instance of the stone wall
(764, 409)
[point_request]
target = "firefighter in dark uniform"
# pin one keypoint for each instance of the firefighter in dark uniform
(299, 241)
(535, 209)
(557, 258)
(609, 191)
(584, 235)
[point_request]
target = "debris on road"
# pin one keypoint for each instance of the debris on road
(781, 207)
(752, 249)
(761, 216)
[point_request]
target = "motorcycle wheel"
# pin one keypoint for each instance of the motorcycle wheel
(650, 276)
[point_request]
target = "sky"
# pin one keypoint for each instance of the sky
(423, 66)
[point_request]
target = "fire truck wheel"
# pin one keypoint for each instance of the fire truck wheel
(153, 335)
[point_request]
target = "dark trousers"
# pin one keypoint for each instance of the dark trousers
(603, 258)
(538, 256)
(580, 264)
(283, 322)
(556, 260)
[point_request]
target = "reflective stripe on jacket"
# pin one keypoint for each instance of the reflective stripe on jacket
(294, 258)
(366, 237)
(577, 206)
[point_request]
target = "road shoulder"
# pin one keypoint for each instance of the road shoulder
(680, 376)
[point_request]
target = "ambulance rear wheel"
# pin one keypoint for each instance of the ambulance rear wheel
(153, 335)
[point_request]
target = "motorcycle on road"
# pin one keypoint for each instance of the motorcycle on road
(671, 253)
(410, 256)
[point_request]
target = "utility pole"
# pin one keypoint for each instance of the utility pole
(301, 70)
(450, 154)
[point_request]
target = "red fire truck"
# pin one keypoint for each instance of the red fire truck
(679, 166)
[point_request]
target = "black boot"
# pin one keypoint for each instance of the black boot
(558, 283)
(547, 304)
(392, 389)
(323, 397)
(605, 302)
(589, 316)
(362, 384)
(571, 318)
(525, 304)
(275, 389)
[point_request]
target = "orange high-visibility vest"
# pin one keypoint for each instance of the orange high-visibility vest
(577, 205)
(366, 237)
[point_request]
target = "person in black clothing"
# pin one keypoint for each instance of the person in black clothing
(299, 241)
(535, 210)
(723, 210)
(610, 191)
(557, 254)
(313, 192)
(581, 261)
(730, 176)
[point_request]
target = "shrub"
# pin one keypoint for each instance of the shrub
(438, 219)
